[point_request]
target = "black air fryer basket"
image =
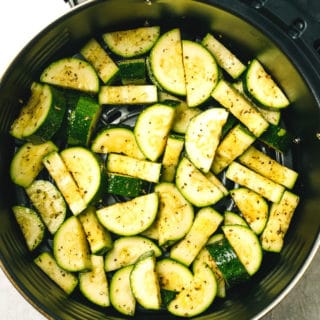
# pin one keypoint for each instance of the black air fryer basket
(283, 35)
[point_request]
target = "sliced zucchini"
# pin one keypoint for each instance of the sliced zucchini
(195, 186)
(127, 250)
(237, 140)
(41, 117)
(133, 71)
(70, 246)
(128, 94)
(27, 162)
(105, 67)
(152, 128)
(197, 297)
(142, 169)
(121, 296)
(117, 140)
(72, 73)
(144, 282)
(215, 180)
(130, 217)
(99, 239)
(240, 107)
(201, 72)
(253, 207)
(166, 62)
(82, 121)
(49, 202)
(224, 57)
(262, 88)
(203, 136)
(228, 262)
(133, 42)
(175, 214)
(204, 225)
(65, 182)
(246, 245)
(171, 157)
(94, 284)
(31, 226)
(172, 275)
(66, 280)
(231, 218)
(123, 185)
(272, 238)
(86, 171)
(254, 181)
(268, 167)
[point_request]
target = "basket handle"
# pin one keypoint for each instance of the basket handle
(73, 3)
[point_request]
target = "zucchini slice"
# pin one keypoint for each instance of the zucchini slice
(224, 57)
(130, 217)
(99, 239)
(66, 280)
(195, 186)
(272, 238)
(246, 245)
(142, 169)
(144, 282)
(82, 121)
(166, 62)
(203, 136)
(85, 169)
(121, 296)
(204, 225)
(268, 167)
(41, 117)
(27, 162)
(175, 214)
(105, 67)
(133, 42)
(201, 72)
(196, 297)
(173, 275)
(127, 250)
(236, 141)
(152, 129)
(72, 73)
(49, 202)
(133, 71)
(232, 218)
(227, 261)
(240, 107)
(247, 178)
(128, 94)
(31, 226)
(65, 182)
(117, 140)
(262, 88)
(70, 246)
(253, 207)
(93, 284)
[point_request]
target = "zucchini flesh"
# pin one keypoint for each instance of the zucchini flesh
(48, 201)
(201, 72)
(262, 88)
(72, 73)
(272, 238)
(130, 217)
(203, 135)
(27, 162)
(232, 218)
(93, 284)
(204, 225)
(133, 42)
(105, 67)
(67, 281)
(127, 250)
(30, 225)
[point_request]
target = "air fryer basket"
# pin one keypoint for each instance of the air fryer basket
(252, 32)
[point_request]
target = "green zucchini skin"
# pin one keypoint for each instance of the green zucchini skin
(132, 71)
